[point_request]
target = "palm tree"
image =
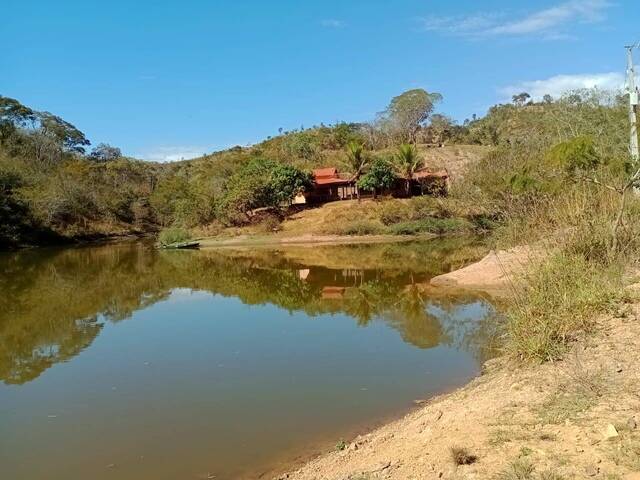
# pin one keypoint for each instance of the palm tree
(407, 163)
(357, 160)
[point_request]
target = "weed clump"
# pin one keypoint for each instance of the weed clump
(358, 227)
(173, 235)
(462, 456)
(341, 445)
(519, 469)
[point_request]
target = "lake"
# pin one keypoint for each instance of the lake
(124, 362)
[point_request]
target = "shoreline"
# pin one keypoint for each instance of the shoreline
(281, 467)
(567, 419)
(307, 240)
(505, 416)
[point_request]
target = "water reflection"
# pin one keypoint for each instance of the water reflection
(54, 303)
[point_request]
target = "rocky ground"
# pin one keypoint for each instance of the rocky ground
(573, 419)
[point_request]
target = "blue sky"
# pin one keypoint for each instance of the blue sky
(171, 79)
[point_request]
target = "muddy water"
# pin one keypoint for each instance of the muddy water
(122, 362)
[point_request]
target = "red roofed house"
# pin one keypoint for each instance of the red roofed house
(329, 185)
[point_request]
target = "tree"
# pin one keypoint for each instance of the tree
(439, 126)
(547, 98)
(260, 183)
(301, 145)
(407, 163)
(104, 152)
(72, 139)
(13, 115)
(357, 160)
(407, 112)
(520, 99)
(13, 111)
(380, 176)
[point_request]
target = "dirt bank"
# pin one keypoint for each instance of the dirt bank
(498, 273)
(572, 419)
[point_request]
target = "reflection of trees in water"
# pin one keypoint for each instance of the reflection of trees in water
(468, 322)
(58, 299)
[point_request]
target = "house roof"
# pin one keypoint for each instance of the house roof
(330, 172)
(329, 176)
(332, 181)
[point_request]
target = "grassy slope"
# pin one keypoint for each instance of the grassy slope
(325, 219)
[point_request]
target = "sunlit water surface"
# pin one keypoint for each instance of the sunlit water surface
(123, 362)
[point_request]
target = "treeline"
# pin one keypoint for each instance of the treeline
(53, 187)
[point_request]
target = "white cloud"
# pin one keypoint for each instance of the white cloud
(333, 23)
(467, 25)
(548, 22)
(559, 84)
(173, 153)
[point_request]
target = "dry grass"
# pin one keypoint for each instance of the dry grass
(626, 451)
(387, 216)
(579, 393)
(500, 436)
(562, 298)
(519, 469)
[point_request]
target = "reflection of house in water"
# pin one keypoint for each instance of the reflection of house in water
(333, 293)
(303, 273)
(347, 277)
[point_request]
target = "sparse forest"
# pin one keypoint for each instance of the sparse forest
(54, 187)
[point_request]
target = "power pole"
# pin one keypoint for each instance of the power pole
(633, 104)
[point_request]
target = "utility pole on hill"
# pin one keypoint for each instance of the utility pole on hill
(633, 104)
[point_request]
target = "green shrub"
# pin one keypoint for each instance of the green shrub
(482, 222)
(395, 211)
(428, 207)
(259, 183)
(359, 227)
(437, 226)
(172, 235)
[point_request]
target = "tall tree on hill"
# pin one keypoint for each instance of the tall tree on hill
(409, 111)
(72, 139)
(439, 127)
(407, 162)
(104, 152)
(520, 99)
